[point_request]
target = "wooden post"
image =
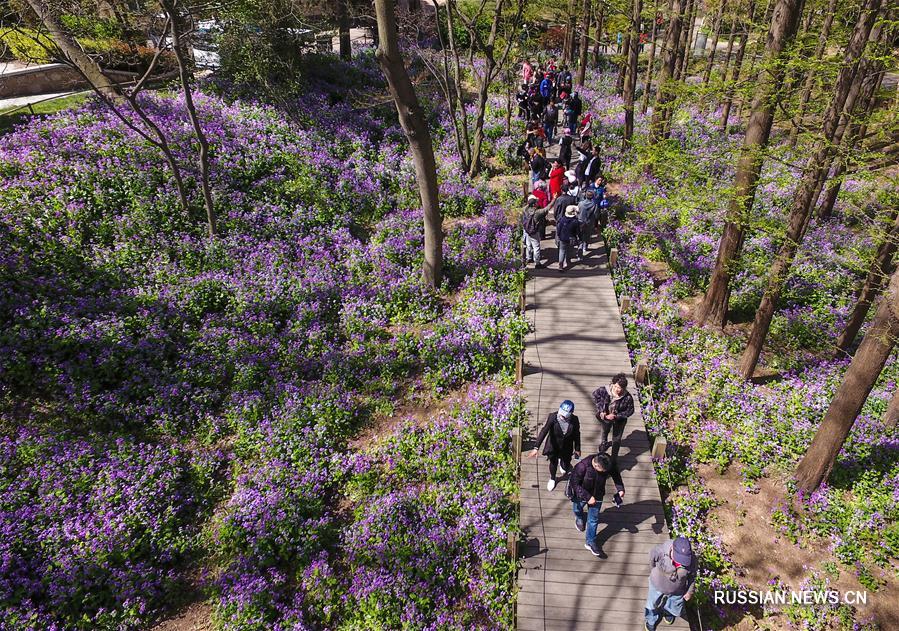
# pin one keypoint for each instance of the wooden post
(613, 257)
(524, 189)
(516, 443)
(641, 374)
(659, 446)
(625, 304)
(512, 545)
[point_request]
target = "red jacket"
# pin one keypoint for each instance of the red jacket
(542, 197)
(556, 175)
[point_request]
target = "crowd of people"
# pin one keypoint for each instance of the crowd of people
(576, 199)
(575, 196)
(673, 565)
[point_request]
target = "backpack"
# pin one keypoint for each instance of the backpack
(531, 224)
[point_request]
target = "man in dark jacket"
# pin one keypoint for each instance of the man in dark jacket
(586, 488)
(567, 234)
(550, 119)
(672, 578)
(539, 167)
(576, 105)
(565, 147)
(562, 432)
(533, 223)
(594, 166)
(614, 404)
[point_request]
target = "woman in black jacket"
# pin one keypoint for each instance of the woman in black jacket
(614, 404)
(563, 429)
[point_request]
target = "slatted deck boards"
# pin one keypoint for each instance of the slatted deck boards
(577, 345)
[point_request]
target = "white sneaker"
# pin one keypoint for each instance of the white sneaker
(550, 484)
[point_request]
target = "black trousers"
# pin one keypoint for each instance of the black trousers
(617, 429)
(555, 461)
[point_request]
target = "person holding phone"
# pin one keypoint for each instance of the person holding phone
(614, 404)
(586, 488)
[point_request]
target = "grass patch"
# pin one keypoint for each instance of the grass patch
(12, 116)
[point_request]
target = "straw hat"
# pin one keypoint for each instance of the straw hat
(571, 211)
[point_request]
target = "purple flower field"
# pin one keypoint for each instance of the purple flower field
(177, 414)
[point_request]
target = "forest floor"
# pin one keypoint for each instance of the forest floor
(762, 552)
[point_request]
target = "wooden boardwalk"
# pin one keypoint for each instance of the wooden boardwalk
(576, 346)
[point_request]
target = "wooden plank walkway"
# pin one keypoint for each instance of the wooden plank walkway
(577, 345)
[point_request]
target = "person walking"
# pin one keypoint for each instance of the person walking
(562, 433)
(527, 72)
(531, 219)
(594, 166)
(522, 97)
(567, 229)
(586, 129)
(587, 211)
(672, 578)
(550, 119)
(539, 166)
(541, 194)
(546, 88)
(556, 177)
(586, 488)
(565, 141)
(614, 404)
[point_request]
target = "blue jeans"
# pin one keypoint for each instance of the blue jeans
(531, 245)
(591, 517)
(658, 604)
(564, 253)
(549, 129)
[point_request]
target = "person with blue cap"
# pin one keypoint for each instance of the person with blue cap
(562, 433)
(671, 581)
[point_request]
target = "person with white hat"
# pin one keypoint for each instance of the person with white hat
(672, 579)
(567, 230)
(563, 431)
(573, 189)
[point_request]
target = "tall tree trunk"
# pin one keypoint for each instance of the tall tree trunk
(891, 415)
(849, 398)
(873, 71)
(72, 51)
(415, 126)
(585, 43)
(570, 35)
(686, 53)
(622, 69)
(710, 61)
(600, 17)
(647, 81)
(738, 66)
(666, 90)
(881, 268)
(814, 171)
(783, 27)
(630, 86)
(343, 30)
(483, 93)
(813, 72)
(173, 9)
(730, 48)
(754, 58)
